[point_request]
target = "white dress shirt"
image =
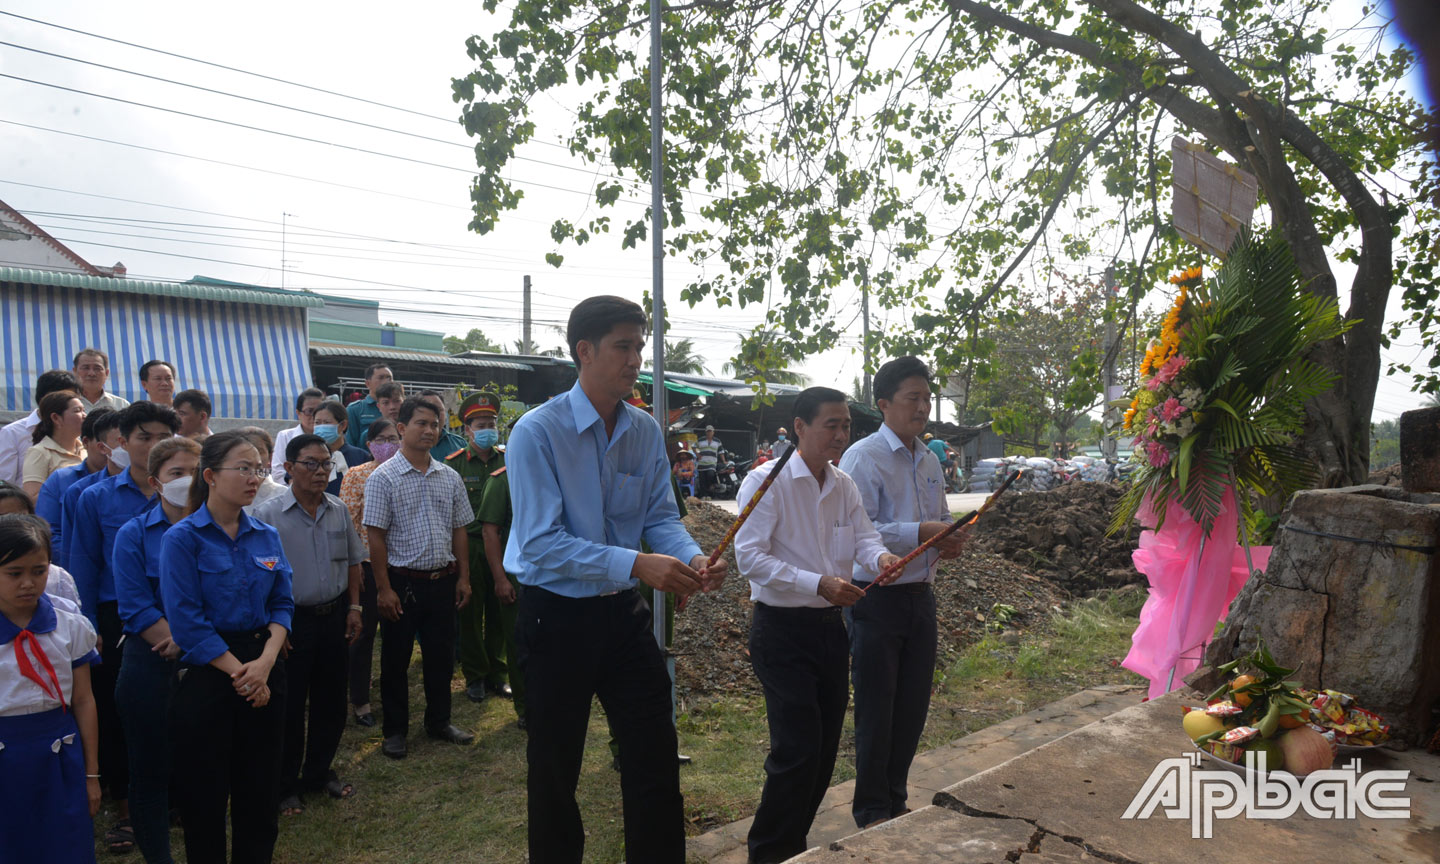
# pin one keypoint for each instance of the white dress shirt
(801, 532)
(14, 441)
(277, 457)
(106, 400)
(901, 488)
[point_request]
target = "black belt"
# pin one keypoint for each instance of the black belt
(431, 575)
(813, 613)
(320, 609)
(903, 588)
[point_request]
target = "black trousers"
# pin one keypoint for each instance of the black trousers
(114, 759)
(427, 611)
(802, 658)
(227, 750)
(569, 651)
(362, 652)
(892, 645)
(315, 672)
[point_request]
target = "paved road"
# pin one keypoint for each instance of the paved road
(958, 503)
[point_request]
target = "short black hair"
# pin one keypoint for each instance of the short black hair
(142, 412)
(378, 427)
(373, 368)
(105, 420)
(300, 442)
(9, 491)
(195, 399)
(92, 352)
(149, 364)
(389, 390)
(335, 408)
(308, 393)
(408, 407)
(890, 376)
(53, 382)
(21, 534)
(808, 403)
(594, 317)
(87, 429)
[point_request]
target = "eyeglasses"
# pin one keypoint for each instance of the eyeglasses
(312, 465)
(307, 412)
(246, 469)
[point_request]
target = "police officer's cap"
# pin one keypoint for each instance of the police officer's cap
(479, 402)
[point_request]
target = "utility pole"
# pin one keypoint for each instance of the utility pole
(1107, 380)
(865, 316)
(525, 346)
(657, 290)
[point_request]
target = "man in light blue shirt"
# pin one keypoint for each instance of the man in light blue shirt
(588, 481)
(893, 628)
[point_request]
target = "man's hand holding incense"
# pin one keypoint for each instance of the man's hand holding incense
(664, 573)
(711, 576)
(949, 547)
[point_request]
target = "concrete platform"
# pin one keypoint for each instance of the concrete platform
(1063, 801)
(957, 502)
(940, 768)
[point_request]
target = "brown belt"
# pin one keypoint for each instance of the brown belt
(431, 575)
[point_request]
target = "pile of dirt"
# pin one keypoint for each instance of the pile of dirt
(976, 593)
(1060, 534)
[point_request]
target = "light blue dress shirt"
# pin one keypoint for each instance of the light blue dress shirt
(213, 584)
(582, 503)
(900, 489)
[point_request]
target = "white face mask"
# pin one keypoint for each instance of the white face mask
(177, 491)
(121, 457)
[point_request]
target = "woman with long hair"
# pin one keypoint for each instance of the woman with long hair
(56, 439)
(227, 590)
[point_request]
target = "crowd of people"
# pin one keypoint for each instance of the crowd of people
(190, 611)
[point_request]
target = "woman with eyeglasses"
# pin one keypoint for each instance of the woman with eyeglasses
(384, 442)
(227, 590)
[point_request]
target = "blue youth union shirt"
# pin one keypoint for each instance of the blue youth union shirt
(68, 502)
(213, 584)
(135, 561)
(52, 491)
(102, 509)
(582, 502)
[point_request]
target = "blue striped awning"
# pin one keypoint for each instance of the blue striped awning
(250, 358)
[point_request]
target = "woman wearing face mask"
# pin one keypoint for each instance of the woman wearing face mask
(384, 442)
(263, 443)
(330, 423)
(142, 693)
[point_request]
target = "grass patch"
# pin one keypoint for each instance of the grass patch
(467, 804)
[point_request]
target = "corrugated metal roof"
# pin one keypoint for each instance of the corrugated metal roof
(189, 290)
(330, 350)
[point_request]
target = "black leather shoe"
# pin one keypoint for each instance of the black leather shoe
(367, 720)
(476, 692)
(394, 747)
(684, 760)
(502, 690)
(452, 733)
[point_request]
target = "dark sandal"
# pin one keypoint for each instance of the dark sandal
(338, 790)
(291, 805)
(120, 840)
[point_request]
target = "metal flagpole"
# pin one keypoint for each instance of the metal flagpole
(657, 286)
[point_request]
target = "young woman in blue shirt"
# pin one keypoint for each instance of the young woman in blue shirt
(142, 693)
(227, 591)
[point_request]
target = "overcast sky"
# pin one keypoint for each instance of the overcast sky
(377, 227)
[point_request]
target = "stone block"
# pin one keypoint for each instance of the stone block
(1420, 450)
(1343, 602)
(931, 834)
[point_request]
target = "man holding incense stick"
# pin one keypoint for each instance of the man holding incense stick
(892, 628)
(798, 549)
(588, 481)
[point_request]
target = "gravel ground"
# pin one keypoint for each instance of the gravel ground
(712, 633)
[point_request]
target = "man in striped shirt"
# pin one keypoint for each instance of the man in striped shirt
(416, 512)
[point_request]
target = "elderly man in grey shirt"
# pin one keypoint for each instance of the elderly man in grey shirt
(893, 628)
(325, 552)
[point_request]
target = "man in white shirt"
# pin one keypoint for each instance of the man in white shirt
(92, 370)
(892, 628)
(305, 405)
(707, 456)
(798, 549)
(15, 438)
(157, 379)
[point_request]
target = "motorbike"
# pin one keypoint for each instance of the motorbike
(727, 477)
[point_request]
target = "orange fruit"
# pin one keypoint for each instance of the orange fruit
(1294, 721)
(1242, 699)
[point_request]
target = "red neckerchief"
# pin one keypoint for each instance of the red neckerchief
(27, 669)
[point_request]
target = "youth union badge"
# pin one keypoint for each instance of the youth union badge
(267, 561)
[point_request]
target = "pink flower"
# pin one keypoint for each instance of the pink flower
(1171, 369)
(1158, 454)
(1171, 410)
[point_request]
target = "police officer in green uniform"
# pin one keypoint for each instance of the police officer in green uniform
(482, 638)
(494, 516)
